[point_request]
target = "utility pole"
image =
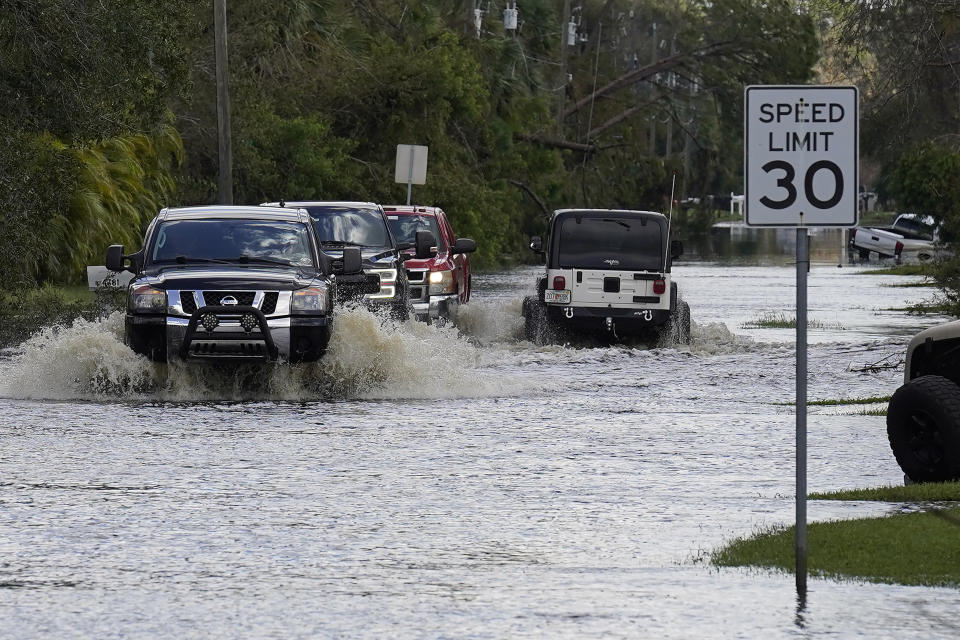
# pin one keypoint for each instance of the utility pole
(225, 148)
(563, 66)
(654, 56)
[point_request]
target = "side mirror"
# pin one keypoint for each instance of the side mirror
(536, 244)
(425, 244)
(403, 246)
(115, 260)
(676, 249)
(352, 261)
(464, 245)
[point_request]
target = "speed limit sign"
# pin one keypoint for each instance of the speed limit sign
(801, 156)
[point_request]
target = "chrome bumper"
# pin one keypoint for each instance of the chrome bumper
(439, 306)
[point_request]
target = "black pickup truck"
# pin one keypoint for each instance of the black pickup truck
(363, 226)
(234, 283)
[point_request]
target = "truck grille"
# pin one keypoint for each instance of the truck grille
(188, 301)
(213, 298)
(357, 288)
(269, 304)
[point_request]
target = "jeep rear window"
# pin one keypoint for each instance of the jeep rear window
(349, 226)
(232, 240)
(404, 228)
(625, 244)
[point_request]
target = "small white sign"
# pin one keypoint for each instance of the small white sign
(411, 164)
(801, 156)
(101, 277)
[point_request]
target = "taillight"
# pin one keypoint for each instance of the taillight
(659, 286)
(897, 248)
(853, 233)
(559, 282)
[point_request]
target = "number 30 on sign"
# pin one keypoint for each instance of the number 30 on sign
(801, 156)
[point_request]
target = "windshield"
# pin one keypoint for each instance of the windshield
(916, 227)
(233, 240)
(404, 228)
(349, 226)
(627, 244)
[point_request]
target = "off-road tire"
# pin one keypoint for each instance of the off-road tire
(923, 426)
(536, 324)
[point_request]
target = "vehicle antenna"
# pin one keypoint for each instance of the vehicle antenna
(666, 252)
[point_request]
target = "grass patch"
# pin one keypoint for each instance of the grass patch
(925, 308)
(922, 492)
(25, 311)
(872, 412)
(901, 270)
(783, 321)
(910, 285)
(910, 549)
(839, 401)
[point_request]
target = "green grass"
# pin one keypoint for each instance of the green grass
(910, 285)
(901, 270)
(872, 412)
(840, 401)
(910, 549)
(782, 321)
(924, 308)
(923, 492)
(24, 311)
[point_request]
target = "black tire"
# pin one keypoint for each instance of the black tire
(923, 426)
(536, 328)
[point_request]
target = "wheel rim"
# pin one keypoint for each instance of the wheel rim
(924, 442)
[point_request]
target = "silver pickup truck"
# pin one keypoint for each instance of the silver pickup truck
(910, 237)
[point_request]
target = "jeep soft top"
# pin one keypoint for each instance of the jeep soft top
(228, 283)
(608, 273)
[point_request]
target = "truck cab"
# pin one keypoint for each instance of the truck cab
(608, 273)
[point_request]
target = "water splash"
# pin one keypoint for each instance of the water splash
(369, 356)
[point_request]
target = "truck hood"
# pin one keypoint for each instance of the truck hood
(229, 277)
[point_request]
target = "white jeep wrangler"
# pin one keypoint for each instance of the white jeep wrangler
(607, 275)
(923, 418)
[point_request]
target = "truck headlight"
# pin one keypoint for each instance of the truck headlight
(442, 282)
(309, 299)
(149, 299)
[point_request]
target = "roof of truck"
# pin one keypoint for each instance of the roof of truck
(248, 212)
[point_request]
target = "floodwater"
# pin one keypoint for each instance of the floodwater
(421, 483)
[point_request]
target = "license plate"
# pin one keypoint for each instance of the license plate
(557, 297)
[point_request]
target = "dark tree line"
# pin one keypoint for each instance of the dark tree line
(107, 110)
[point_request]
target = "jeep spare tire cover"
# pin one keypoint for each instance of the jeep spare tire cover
(923, 426)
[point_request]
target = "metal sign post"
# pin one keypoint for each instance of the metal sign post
(800, 537)
(411, 166)
(801, 161)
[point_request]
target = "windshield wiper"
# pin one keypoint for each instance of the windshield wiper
(182, 259)
(342, 243)
(248, 259)
(619, 222)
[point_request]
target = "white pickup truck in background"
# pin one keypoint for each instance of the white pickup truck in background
(911, 237)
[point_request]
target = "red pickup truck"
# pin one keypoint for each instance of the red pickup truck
(440, 283)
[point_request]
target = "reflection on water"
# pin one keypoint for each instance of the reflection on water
(736, 243)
